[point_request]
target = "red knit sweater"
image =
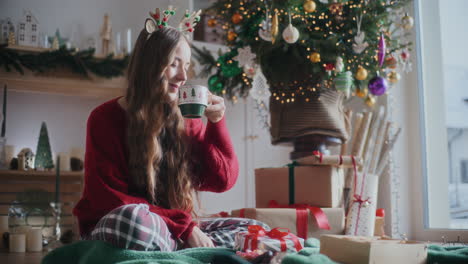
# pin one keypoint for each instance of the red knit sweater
(106, 168)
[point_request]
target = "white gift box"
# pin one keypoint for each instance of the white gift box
(360, 220)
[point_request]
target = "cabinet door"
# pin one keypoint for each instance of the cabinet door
(260, 153)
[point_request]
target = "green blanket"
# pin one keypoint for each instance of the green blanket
(102, 253)
(452, 255)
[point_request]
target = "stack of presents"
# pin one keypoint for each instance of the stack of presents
(305, 199)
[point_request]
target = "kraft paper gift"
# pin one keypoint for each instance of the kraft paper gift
(363, 250)
(288, 218)
(320, 186)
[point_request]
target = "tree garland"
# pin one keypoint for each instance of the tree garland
(80, 62)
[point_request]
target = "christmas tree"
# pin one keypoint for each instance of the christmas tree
(305, 46)
(43, 152)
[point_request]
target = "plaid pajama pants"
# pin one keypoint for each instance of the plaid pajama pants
(133, 226)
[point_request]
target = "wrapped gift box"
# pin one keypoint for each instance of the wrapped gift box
(362, 250)
(320, 186)
(360, 219)
(269, 241)
(286, 217)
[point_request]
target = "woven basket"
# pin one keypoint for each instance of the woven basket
(323, 116)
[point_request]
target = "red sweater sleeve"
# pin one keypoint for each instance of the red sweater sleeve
(212, 147)
(106, 178)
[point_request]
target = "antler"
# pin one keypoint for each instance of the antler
(189, 21)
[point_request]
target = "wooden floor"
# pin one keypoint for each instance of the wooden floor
(21, 258)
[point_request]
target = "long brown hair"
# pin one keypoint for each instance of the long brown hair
(158, 147)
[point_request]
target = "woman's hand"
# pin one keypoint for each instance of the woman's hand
(199, 239)
(215, 110)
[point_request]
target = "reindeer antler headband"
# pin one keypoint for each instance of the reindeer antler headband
(186, 25)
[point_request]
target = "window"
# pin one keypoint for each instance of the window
(442, 130)
(464, 171)
(28, 18)
(22, 26)
(33, 38)
(21, 37)
(34, 27)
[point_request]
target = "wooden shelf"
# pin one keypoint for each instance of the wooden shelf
(63, 83)
(27, 48)
(39, 175)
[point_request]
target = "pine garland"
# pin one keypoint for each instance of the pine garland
(81, 62)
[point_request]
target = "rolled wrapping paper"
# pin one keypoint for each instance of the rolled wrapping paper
(17, 243)
(361, 136)
(343, 82)
(360, 219)
(3, 228)
(64, 161)
(336, 160)
(34, 240)
(356, 128)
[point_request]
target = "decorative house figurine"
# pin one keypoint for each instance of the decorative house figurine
(106, 34)
(28, 30)
(11, 39)
(57, 40)
(6, 27)
(26, 159)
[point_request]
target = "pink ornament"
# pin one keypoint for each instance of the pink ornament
(381, 49)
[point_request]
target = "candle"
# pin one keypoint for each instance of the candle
(118, 44)
(34, 240)
(57, 180)
(129, 40)
(3, 228)
(17, 243)
(64, 161)
(9, 154)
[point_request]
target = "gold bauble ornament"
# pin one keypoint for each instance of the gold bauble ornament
(231, 36)
(211, 22)
(274, 27)
(362, 92)
(407, 22)
(361, 73)
(370, 101)
(309, 6)
(315, 57)
(393, 77)
(236, 18)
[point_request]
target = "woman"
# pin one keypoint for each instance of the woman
(144, 161)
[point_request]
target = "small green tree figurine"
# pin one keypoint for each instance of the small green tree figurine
(43, 153)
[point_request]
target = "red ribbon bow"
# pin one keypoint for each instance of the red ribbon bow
(302, 216)
(319, 154)
(256, 231)
(358, 199)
